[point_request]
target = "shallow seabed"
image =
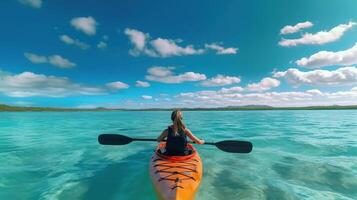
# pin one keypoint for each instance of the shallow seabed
(296, 155)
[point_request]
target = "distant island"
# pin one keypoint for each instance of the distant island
(7, 108)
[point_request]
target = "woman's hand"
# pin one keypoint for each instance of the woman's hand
(201, 142)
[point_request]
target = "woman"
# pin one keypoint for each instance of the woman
(176, 136)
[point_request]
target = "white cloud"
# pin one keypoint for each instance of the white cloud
(87, 106)
(29, 84)
(87, 25)
(55, 60)
(70, 41)
(146, 97)
(37, 59)
(165, 75)
(221, 50)
(160, 71)
(143, 44)
(60, 62)
(138, 39)
(319, 38)
(291, 98)
(117, 85)
(329, 58)
(344, 75)
(105, 38)
(102, 45)
(231, 90)
(220, 80)
(265, 84)
(142, 84)
(32, 3)
(314, 92)
(296, 28)
(167, 48)
(22, 103)
(236, 96)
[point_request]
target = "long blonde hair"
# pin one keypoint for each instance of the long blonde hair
(178, 125)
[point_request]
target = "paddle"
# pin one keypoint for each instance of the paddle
(232, 146)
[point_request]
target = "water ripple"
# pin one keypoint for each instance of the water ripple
(296, 155)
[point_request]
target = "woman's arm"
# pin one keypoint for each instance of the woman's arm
(162, 136)
(193, 137)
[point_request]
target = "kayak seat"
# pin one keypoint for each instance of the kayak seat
(164, 152)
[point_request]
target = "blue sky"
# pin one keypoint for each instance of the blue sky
(183, 53)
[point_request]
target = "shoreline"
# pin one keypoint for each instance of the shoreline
(7, 108)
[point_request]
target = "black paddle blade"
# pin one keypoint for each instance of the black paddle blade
(113, 139)
(234, 146)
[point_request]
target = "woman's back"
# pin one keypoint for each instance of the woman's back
(176, 136)
(176, 142)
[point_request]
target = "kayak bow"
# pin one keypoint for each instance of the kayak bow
(175, 177)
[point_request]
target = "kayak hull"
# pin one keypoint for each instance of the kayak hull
(176, 177)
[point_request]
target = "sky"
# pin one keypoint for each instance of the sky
(164, 54)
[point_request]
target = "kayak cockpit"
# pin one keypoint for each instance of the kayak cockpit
(161, 152)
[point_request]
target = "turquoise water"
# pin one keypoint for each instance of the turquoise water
(296, 155)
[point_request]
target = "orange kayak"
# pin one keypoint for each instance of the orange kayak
(176, 177)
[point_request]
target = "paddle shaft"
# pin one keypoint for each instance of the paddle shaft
(154, 140)
(144, 139)
(232, 146)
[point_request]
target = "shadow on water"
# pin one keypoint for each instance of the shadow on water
(339, 179)
(127, 178)
(227, 185)
(273, 192)
(285, 168)
(319, 176)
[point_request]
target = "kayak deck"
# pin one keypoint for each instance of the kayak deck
(176, 177)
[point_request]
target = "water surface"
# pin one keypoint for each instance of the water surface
(296, 155)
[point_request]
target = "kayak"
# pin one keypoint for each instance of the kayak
(175, 177)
